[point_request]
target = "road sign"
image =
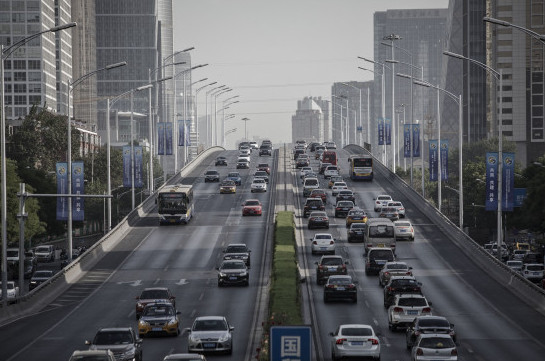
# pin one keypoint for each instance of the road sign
(290, 343)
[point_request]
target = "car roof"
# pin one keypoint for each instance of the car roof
(236, 245)
(116, 329)
(201, 318)
(318, 213)
(91, 352)
(323, 234)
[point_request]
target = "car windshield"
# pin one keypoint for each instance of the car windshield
(345, 204)
(252, 203)
(43, 273)
(381, 254)
(356, 213)
(412, 302)
(358, 225)
(437, 342)
(318, 214)
(356, 331)
(113, 338)
(232, 265)
(535, 267)
(384, 198)
(211, 172)
(234, 175)
(42, 249)
(402, 224)
(404, 283)
(154, 294)
(434, 322)
(339, 184)
(259, 181)
(397, 266)
(210, 325)
(332, 261)
(383, 231)
(228, 183)
(236, 249)
(311, 182)
(162, 310)
(340, 281)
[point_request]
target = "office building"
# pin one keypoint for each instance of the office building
(308, 121)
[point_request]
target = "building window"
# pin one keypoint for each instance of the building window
(34, 64)
(34, 88)
(19, 76)
(20, 100)
(34, 76)
(19, 88)
(34, 99)
(19, 64)
(20, 112)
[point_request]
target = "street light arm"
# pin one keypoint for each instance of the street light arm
(459, 56)
(508, 24)
(86, 76)
(9, 50)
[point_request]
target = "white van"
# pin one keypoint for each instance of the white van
(379, 233)
(309, 185)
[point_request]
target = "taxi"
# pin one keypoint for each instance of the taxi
(160, 318)
(356, 215)
(228, 186)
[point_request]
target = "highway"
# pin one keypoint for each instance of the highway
(492, 323)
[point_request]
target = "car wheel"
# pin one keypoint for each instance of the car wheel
(355, 299)
(412, 239)
(327, 227)
(326, 300)
(333, 357)
(247, 283)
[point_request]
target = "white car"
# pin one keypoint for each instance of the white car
(13, 290)
(399, 206)
(245, 151)
(434, 346)
(405, 308)
(382, 201)
(393, 269)
(515, 265)
(210, 334)
(337, 186)
(354, 340)
(403, 230)
(242, 157)
(532, 271)
(304, 170)
(323, 243)
(331, 170)
(258, 185)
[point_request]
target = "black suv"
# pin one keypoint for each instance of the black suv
(211, 176)
(376, 258)
(400, 284)
(265, 150)
(122, 341)
(356, 232)
(237, 251)
(328, 266)
(313, 204)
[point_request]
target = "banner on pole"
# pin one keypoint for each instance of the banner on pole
(380, 131)
(138, 167)
(78, 187)
(444, 159)
(388, 131)
(491, 201)
(127, 179)
(161, 138)
(181, 133)
(433, 159)
(407, 140)
(168, 138)
(62, 188)
(416, 140)
(188, 133)
(508, 181)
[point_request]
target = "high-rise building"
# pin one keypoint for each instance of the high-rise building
(308, 121)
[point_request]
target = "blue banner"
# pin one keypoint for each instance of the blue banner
(508, 181)
(168, 138)
(407, 140)
(380, 131)
(491, 201)
(138, 167)
(161, 138)
(416, 140)
(62, 188)
(127, 178)
(188, 133)
(520, 195)
(181, 133)
(433, 153)
(388, 131)
(444, 159)
(78, 184)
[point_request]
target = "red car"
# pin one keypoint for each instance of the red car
(265, 167)
(152, 294)
(251, 207)
(319, 193)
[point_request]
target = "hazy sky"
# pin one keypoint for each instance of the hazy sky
(273, 53)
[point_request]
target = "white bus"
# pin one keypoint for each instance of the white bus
(175, 204)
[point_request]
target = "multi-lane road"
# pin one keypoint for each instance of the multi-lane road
(492, 322)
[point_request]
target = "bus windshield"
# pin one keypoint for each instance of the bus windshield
(363, 162)
(171, 202)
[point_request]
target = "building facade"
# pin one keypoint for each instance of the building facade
(308, 121)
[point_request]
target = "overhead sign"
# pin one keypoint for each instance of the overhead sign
(290, 343)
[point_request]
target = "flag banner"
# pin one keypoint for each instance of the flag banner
(416, 140)
(161, 138)
(433, 159)
(168, 138)
(78, 187)
(444, 159)
(380, 131)
(138, 167)
(188, 133)
(181, 133)
(520, 195)
(407, 140)
(388, 131)
(127, 179)
(359, 129)
(62, 188)
(508, 181)
(491, 201)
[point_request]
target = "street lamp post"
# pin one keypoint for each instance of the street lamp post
(355, 127)
(223, 91)
(399, 138)
(343, 128)
(223, 117)
(5, 54)
(197, 106)
(393, 37)
(209, 137)
(245, 128)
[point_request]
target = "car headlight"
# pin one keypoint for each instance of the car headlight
(129, 354)
(139, 305)
(221, 274)
(224, 337)
(193, 338)
(172, 321)
(141, 322)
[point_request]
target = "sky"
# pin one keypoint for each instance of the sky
(273, 53)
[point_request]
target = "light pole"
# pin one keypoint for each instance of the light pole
(499, 79)
(392, 38)
(399, 138)
(223, 91)
(197, 106)
(355, 127)
(225, 106)
(209, 137)
(245, 128)
(4, 54)
(343, 97)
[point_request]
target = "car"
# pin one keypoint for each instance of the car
(244, 145)
(504, 253)
(264, 167)
(302, 162)
(252, 207)
(318, 219)
(356, 215)
(239, 251)
(428, 324)
(265, 150)
(312, 146)
(253, 145)
(323, 243)
(243, 164)
(303, 171)
(328, 266)
(38, 278)
(235, 177)
(297, 152)
(340, 287)
(400, 284)
(233, 272)
(333, 179)
(318, 153)
(319, 193)
(432, 346)
(210, 334)
(337, 186)
(399, 206)
(95, 355)
(262, 174)
(331, 145)
(323, 166)
(310, 174)
(403, 230)
(515, 265)
(244, 152)
(518, 254)
(12, 291)
(313, 204)
(405, 308)
(184, 357)
(356, 232)
(354, 340)
(376, 258)
(381, 201)
(331, 170)
(258, 185)
(149, 295)
(389, 213)
(346, 195)
(532, 271)
(310, 184)
(45, 253)
(122, 341)
(532, 257)
(159, 318)
(342, 208)
(221, 161)
(243, 158)
(228, 186)
(393, 269)
(211, 176)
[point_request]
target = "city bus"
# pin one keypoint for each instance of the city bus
(175, 204)
(361, 167)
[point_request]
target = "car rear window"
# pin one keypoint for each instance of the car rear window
(397, 266)
(404, 283)
(332, 261)
(311, 182)
(381, 254)
(434, 322)
(412, 301)
(437, 342)
(356, 331)
(535, 267)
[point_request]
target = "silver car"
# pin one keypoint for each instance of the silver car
(210, 334)
(434, 346)
(399, 206)
(354, 340)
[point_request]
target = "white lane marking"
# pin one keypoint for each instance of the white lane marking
(157, 281)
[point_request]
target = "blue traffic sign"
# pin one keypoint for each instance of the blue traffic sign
(290, 343)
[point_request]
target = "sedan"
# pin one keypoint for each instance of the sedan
(243, 164)
(319, 193)
(13, 290)
(304, 170)
(264, 167)
(159, 318)
(340, 288)
(403, 230)
(252, 207)
(210, 334)
(262, 174)
(393, 269)
(323, 243)
(38, 278)
(331, 171)
(356, 232)
(430, 346)
(515, 265)
(346, 195)
(235, 177)
(399, 207)
(356, 215)
(233, 272)
(227, 187)
(428, 324)
(258, 185)
(354, 340)
(405, 308)
(342, 208)
(318, 219)
(337, 186)
(333, 179)
(184, 357)
(382, 201)
(329, 266)
(149, 295)
(221, 161)
(238, 251)
(398, 285)
(390, 213)
(211, 176)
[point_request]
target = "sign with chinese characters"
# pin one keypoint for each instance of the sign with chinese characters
(491, 200)
(290, 343)
(380, 131)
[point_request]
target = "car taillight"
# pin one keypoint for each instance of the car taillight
(390, 289)
(320, 267)
(426, 310)
(338, 208)
(331, 242)
(374, 341)
(340, 341)
(351, 286)
(417, 333)
(419, 351)
(330, 286)
(386, 273)
(314, 242)
(398, 309)
(454, 352)
(409, 273)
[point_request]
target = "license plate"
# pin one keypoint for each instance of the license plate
(208, 345)
(356, 343)
(331, 269)
(232, 278)
(340, 288)
(380, 245)
(323, 248)
(157, 329)
(412, 312)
